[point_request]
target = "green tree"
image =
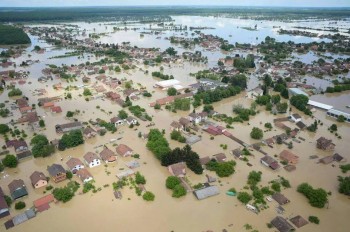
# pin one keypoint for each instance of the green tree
(20, 205)
(333, 127)
(223, 169)
(179, 191)
(172, 181)
(314, 219)
(275, 99)
(8, 200)
(256, 133)
(171, 51)
(282, 107)
(208, 108)
(41, 147)
(42, 123)
(15, 92)
(10, 161)
(299, 101)
(254, 178)
(341, 118)
(69, 175)
(140, 179)
(317, 197)
(69, 114)
(344, 185)
(276, 186)
(244, 197)
(87, 92)
(268, 125)
(148, 196)
(122, 114)
(4, 129)
(72, 139)
(172, 91)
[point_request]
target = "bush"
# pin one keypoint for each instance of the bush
(20, 205)
(140, 179)
(224, 169)
(8, 200)
(268, 125)
(276, 186)
(15, 92)
(69, 175)
(314, 219)
(244, 197)
(148, 196)
(179, 191)
(256, 133)
(172, 181)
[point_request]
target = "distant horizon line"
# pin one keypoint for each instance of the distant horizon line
(212, 6)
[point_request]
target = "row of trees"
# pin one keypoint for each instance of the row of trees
(300, 102)
(162, 76)
(183, 155)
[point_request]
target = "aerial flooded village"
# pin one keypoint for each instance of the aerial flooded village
(174, 118)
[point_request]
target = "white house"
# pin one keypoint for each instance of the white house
(92, 159)
(131, 120)
(74, 165)
(295, 118)
(84, 175)
(117, 121)
(194, 117)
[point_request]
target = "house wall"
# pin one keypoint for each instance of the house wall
(40, 183)
(94, 163)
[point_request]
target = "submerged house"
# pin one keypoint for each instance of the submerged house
(38, 179)
(92, 159)
(17, 189)
(270, 162)
(124, 150)
(325, 144)
(4, 208)
(57, 172)
(74, 165)
(107, 155)
(203, 193)
(63, 128)
(281, 224)
(178, 169)
(280, 198)
(84, 175)
(289, 157)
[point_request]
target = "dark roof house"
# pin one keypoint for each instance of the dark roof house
(17, 189)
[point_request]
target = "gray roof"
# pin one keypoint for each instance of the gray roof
(282, 224)
(20, 218)
(206, 192)
(55, 169)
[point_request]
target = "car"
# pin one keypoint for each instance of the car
(249, 164)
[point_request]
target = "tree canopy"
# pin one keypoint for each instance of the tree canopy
(317, 197)
(256, 133)
(10, 161)
(41, 146)
(13, 35)
(71, 139)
